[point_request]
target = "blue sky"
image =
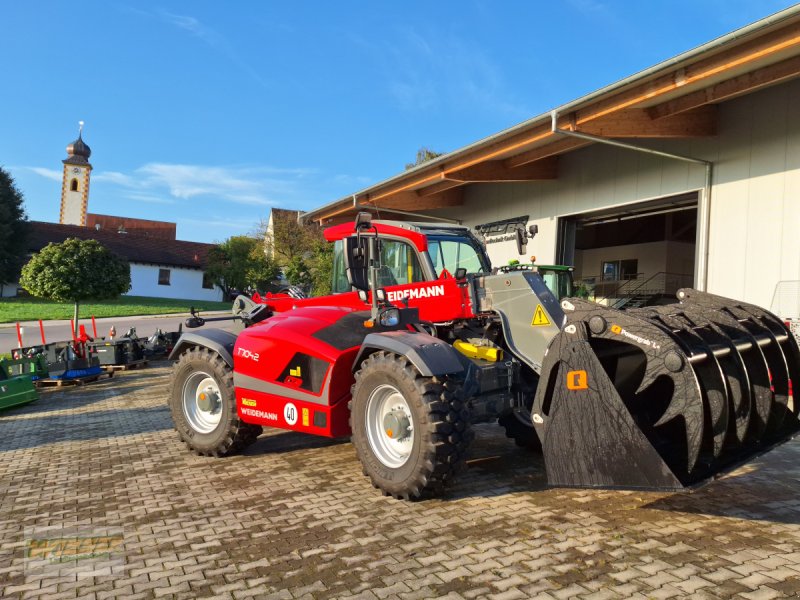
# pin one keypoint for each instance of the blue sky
(209, 113)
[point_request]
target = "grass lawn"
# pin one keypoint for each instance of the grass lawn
(31, 309)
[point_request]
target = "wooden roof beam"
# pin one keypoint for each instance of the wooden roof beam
(497, 170)
(439, 186)
(756, 50)
(412, 201)
(558, 147)
(638, 123)
(725, 90)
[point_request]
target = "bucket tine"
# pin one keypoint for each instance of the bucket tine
(710, 374)
(750, 337)
(778, 346)
(746, 371)
(786, 343)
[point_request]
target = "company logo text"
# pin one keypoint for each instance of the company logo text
(415, 293)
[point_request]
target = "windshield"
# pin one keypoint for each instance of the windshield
(451, 253)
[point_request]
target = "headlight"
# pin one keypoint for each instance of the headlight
(390, 317)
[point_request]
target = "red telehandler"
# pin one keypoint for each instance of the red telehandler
(422, 338)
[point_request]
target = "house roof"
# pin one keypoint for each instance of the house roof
(130, 246)
(674, 99)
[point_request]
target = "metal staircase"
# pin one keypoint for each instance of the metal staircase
(636, 293)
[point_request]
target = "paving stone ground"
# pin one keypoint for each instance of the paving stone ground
(294, 518)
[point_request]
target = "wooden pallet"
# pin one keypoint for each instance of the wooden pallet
(127, 367)
(73, 381)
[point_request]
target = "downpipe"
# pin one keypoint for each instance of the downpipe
(703, 203)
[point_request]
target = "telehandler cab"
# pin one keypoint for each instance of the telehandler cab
(421, 339)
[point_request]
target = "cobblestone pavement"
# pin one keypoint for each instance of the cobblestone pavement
(295, 518)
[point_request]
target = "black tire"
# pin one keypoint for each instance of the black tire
(440, 428)
(518, 427)
(230, 434)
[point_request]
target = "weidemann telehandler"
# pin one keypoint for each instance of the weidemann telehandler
(422, 338)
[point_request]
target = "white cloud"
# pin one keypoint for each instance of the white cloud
(213, 39)
(429, 69)
(148, 198)
(113, 177)
(206, 186)
(46, 173)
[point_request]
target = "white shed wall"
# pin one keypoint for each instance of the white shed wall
(185, 284)
(754, 238)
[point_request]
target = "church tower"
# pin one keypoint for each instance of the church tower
(75, 183)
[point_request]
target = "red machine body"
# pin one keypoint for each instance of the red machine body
(312, 343)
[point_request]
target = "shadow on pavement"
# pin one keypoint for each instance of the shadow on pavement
(767, 489)
(94, 425)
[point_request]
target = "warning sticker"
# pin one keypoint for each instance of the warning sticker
(305, 413)
(539, 317)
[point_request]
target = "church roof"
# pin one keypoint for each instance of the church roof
(130, 246)
(78, 152)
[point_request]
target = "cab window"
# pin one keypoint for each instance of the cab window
(399, 264)
(454, 254)
(559, 282)
(339, 283)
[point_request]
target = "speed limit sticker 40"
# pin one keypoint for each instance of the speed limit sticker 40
(290, 413)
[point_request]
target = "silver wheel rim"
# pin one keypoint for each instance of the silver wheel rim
(392, 452)
(202, 402)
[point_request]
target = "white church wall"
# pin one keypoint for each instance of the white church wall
(184, 284)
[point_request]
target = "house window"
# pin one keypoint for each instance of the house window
(73, 186)
(163, 277)
(616, 270)
(208, 283)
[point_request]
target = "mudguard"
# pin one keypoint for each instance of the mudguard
(218, 340)
(431, 356)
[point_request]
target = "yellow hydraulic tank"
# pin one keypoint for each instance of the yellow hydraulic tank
(483, 352)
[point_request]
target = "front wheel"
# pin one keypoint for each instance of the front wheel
(203, 405)
(410, 433)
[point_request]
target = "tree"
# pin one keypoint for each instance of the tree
(74, 271)
(262, 270)
(423, 155)
(300, 250)
(13, 230)
(240, 263)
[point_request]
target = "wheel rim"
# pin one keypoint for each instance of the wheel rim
(386, 407)
(202, 402)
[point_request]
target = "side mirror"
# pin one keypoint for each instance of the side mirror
(522, 240)
(363, 220)
(461, 272)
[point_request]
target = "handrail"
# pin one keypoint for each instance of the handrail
(655, 285)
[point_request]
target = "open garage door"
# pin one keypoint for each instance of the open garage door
(633, 255)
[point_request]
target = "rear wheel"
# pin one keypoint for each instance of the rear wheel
(410, 433)
(519, 427)
(518, 423)
(203, 405)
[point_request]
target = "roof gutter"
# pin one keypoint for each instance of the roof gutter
(338, 206)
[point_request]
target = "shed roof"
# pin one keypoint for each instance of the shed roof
(674, 99)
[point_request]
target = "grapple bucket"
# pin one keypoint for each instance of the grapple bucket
(664, 397)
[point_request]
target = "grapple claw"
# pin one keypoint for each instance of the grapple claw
(664, 397)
